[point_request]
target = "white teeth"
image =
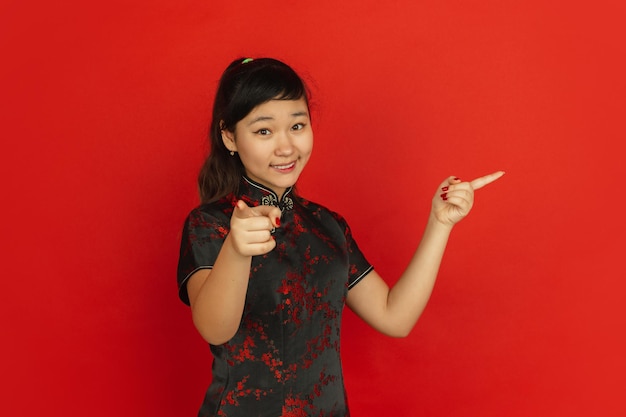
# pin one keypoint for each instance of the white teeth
(284, 166)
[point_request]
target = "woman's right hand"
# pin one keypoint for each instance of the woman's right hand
(251, 228)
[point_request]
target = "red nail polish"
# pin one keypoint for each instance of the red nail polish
(457, 179)
(444, 189)
(277, 221)
(444, 196)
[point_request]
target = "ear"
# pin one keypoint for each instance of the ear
(228, 138)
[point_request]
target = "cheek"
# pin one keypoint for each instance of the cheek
(307, 147)
(253, 151)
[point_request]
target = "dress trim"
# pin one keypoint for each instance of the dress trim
(183, 283)
(271, 198)
(360, 277)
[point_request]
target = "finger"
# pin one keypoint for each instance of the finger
(460, 202)
(253, 224)
(262, 248)
(451, 185)
(271, 212)
(464, 193)
(243, 211)
(458, 195)
(259, 236)
(487, 179)
(452, 180)
(258, 248)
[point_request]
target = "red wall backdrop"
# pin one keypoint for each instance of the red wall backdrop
(105, 113)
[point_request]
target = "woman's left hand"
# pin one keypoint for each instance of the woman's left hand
(455, 198)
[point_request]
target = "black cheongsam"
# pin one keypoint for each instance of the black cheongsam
(284, 360)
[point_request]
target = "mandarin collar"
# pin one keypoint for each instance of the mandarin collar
(256, 194)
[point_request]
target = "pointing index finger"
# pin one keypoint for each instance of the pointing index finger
(487, 179)
(272, 212)
(244, 211)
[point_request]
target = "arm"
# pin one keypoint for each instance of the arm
(395, 311)
(217, 296)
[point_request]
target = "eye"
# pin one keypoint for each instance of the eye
(298, 126)
(263, 132)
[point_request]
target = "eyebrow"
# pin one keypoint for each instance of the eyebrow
(264, 118)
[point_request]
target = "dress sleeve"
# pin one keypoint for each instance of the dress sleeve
(358, 264)
(202, 238)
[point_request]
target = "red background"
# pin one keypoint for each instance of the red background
(106, 107)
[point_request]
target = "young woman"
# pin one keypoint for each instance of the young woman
(267, 273)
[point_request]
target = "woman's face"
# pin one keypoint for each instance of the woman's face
(274, 142)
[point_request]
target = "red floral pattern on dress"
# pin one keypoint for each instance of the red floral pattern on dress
(285, 358)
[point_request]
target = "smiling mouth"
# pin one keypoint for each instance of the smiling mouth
(285, 166)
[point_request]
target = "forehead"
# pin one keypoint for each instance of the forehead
(278, 109)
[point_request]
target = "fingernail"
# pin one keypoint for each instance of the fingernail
(444, 196)
(444, 189)
(457, 179)
(277, 221)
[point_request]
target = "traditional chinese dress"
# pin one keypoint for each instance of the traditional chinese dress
(284, 360)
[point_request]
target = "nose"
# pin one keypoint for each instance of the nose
(284, 145)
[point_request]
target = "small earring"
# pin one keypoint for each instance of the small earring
(232, 153)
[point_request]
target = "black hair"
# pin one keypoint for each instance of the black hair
(245, 84)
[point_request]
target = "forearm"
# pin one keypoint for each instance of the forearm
(408, 297)
(217, 302)
(395, 311)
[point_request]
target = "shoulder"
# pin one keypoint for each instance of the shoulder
(210, 213)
